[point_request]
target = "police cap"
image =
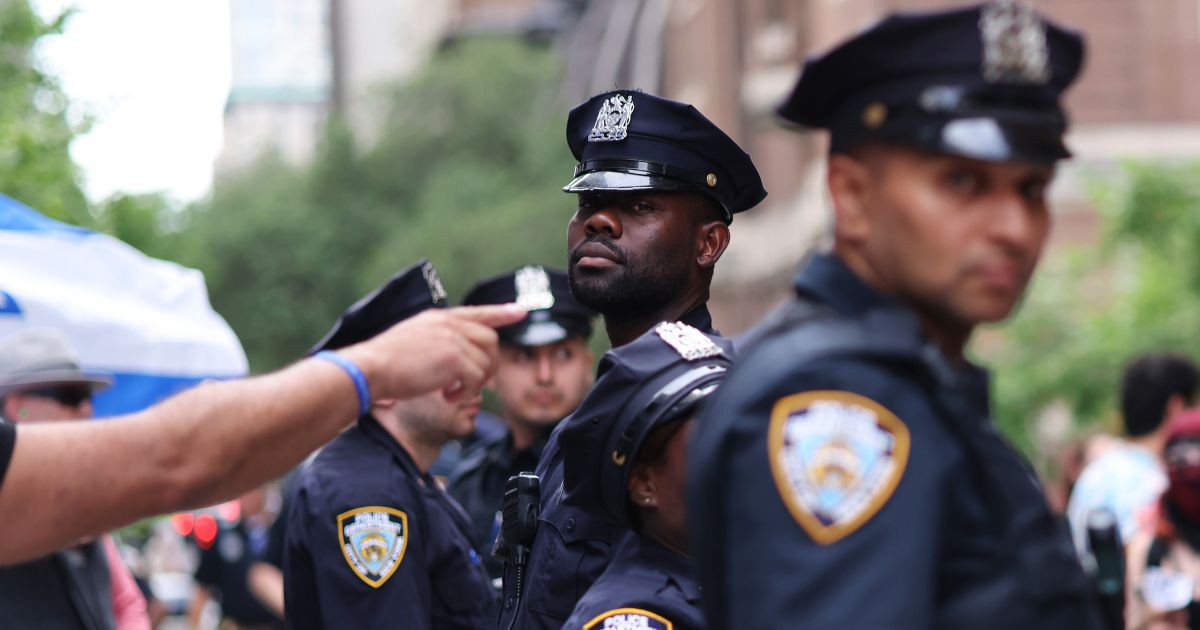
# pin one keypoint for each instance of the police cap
(656, 379)
(629, 140)
(554, 314)
(982, 82)
(411, 291)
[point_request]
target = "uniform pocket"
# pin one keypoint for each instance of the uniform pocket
(576, 549)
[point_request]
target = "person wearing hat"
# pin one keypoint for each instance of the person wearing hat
(848, 474)
(219, 439)
(87, 585)
(372, 539)
(630, 471)
(544, 371)
(1164, 554)
(657, 185)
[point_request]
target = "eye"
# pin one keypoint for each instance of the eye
(1033, 189)
(641, 206)
(963, 181)
(563, 354)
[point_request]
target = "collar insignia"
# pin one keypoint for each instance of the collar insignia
(612, 123)
(691, 344)
(1014, 44)
(533, 288)
(436, 291)
(373, 540)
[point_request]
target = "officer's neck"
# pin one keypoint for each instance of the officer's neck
(420, 448)
(623, 328)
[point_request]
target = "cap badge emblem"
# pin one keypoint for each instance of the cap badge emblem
(436, 291)
(612, 123)
(1014, 44)
(711, 180)
(691, 344)
(874, 115)
(533, 288)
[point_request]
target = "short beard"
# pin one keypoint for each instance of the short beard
(643, 285)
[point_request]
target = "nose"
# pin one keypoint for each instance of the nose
(603, 222)
(1018, 224)
(545, 370)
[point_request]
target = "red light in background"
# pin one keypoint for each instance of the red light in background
(230, 511)
(183, 523)
(206, 530)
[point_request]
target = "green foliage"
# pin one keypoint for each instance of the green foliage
(463, 174)
(35, 166)
(1093, 309)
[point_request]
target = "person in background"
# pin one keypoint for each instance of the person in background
(373, 541)
(224, 566)
(1127, 477)
(545, 369)
(87, 585)
(1163, 557)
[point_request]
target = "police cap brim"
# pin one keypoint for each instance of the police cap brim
(543, 333)
(619, 180)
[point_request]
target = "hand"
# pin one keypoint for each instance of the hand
(454, 350)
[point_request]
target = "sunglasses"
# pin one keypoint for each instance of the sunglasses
(69, 396)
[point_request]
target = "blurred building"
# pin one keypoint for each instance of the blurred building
(735, 59)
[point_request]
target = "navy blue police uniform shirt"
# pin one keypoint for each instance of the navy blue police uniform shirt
(572, 546)
(645, 586)
(224, 567)
(478, 485)
(847, 475)
(373, 542)
(8, 441)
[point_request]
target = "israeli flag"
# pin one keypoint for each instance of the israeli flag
(147, 322)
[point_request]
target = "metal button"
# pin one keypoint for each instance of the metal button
(570, 524)
(508, 602)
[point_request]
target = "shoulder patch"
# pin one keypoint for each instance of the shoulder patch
(373, 540)
(836, 458)
(628, 619)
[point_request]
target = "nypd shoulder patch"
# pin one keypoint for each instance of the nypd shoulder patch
(628, 619)
(373, 540)
(837, 457)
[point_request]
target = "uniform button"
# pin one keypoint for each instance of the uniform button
(508, 603)
(570, 524)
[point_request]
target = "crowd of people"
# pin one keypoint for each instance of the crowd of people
(835, 467)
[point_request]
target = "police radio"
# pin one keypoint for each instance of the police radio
(519, 516)
(1104, 540)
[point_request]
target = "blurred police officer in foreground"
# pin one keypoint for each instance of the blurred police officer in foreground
(545, 369)
(372, 540)
(847, 474)
(631, 471)
(657, 185)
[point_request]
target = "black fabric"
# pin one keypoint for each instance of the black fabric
(8, 442)
(69, 590)
(224, 566)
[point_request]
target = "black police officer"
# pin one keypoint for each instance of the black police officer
(657, 184)
(373, 541)
(847, 474)
(545, 369)
(631, 470)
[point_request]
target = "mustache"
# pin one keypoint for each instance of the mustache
(603, 241)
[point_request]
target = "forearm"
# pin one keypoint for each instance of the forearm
(266, 582)
(68, 480)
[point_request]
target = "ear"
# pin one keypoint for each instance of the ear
(850, 183)
(712, 241)
(12, 403)
(1175, 404)
(641, 487)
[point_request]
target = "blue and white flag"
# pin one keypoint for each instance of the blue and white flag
(147, 322)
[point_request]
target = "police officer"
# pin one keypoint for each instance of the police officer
(657, 186)
(373, 541)
(631, 471)
(847, 474)
(545, 368)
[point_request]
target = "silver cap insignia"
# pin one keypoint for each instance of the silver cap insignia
(533, 288)
(691, 344)
(612, 123)
(436, 290)
(1014, 43)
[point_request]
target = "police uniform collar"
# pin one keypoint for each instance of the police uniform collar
(700, 319)
(828, 280)
(678, 568)
(374, 430)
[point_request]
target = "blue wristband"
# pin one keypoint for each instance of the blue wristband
(356, 375)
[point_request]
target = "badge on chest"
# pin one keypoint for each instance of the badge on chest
(373, 540)
(836, 458)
